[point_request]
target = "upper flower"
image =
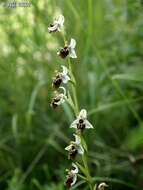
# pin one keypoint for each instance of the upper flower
(57, 24)
(59, 98)
(81, 122)
(61, 77)
(72, 176)
(68, 50)
(75, 148)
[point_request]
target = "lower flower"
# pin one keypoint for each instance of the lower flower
(72, 176)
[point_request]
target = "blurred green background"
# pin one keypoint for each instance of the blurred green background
(109, 74)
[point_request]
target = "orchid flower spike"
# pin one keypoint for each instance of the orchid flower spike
(57, 24)
(72, 176)
(75, 148)
(68, 50)
(81, 121)
(59, 98)
(61, 77)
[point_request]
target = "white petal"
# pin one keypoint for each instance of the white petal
(68, 147)
(65, 70)
(74, 171)
(72, 43)
(53, 28)
(74, 124)
(88, 125)
(83, 114)
(80, 149)
(72, 54)
(77, 139)
(61, 20)
(74, 179)
(65, 79)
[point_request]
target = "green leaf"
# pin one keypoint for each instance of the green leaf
(138, 77)
(133, 73)
(135, 138)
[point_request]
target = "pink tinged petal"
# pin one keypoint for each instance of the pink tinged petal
(72, 54)
(74, 124)
(65, 79)
(74, 179)
(72, 43)
(83, 114)
(88, 125)
(64, 75)
(61, 20)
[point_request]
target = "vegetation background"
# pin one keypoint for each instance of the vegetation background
(109, 74)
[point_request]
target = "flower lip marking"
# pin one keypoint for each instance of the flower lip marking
(57, 24)
(81, 122)
(68, 50)
(61, 77)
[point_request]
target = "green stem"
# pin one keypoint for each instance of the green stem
(89, 179)
(76, 109)
(84, 157)
(82, 177)
(73, 88)
(71, 104)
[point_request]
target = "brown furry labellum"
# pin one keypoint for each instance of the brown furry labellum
(81, 125)
(72, 153)
(57, 81)
(55, 101)
(63, 53)
(69, 181)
